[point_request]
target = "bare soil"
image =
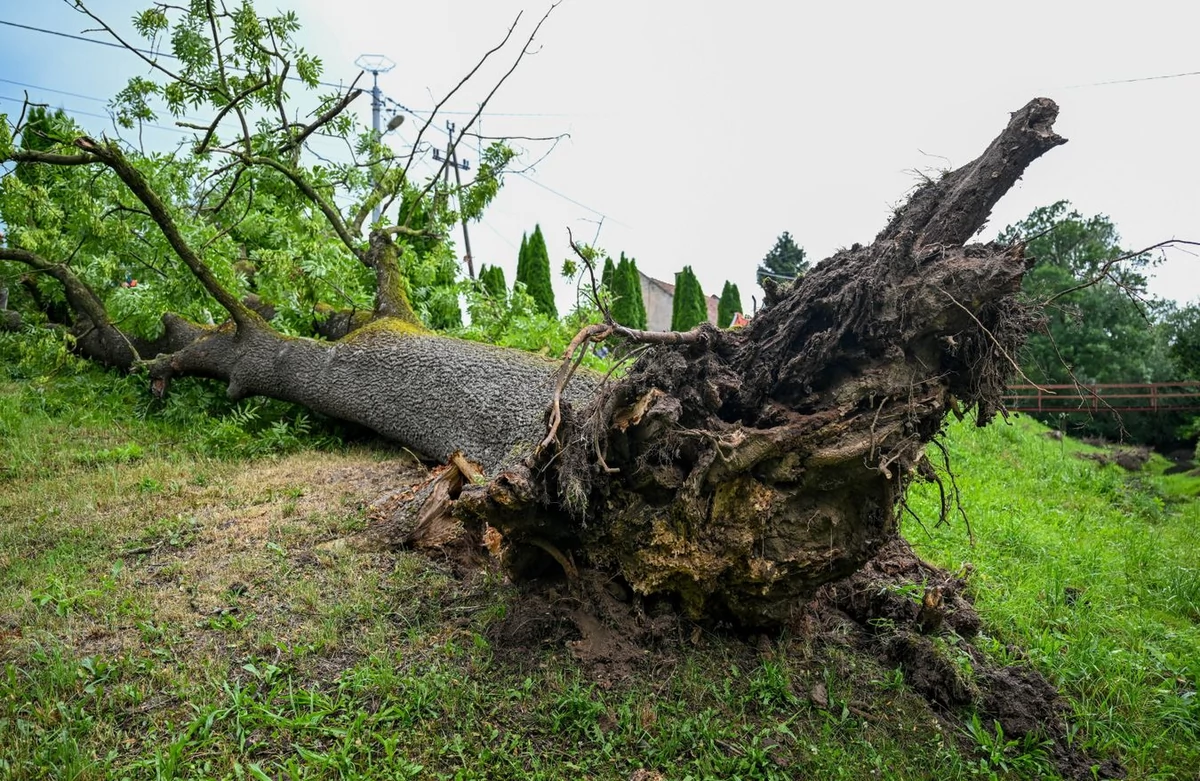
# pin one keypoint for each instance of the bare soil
(898, 609)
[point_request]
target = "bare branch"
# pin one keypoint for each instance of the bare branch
(487, 99)
(1104, 270)
(324, 118)
(457, 87)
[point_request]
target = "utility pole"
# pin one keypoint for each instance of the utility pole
(375, 64)
(452, 162)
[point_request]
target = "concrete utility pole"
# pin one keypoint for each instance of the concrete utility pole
(465, 165)
(375, 64)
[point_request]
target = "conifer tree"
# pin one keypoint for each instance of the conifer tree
(729, 305)
(688, 308)
(534, 271)
(522, 255)
(606, 277)
(635, 285)
(491, 278)
(625, 298)
(785, 261)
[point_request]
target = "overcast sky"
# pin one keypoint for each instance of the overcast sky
(701, 131)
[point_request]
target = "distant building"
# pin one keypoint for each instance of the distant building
(659, 297)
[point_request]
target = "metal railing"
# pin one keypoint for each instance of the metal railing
(1105, 397)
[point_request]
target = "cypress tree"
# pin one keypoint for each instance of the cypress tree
(537, 274)
(522, 257)
(491, 278)
(624, 309)
(688, 307)
(635, 285)
(606, 277)
(729, 305)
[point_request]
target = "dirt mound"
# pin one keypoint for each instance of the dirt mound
(898, 609)
(914, 615)
(1129, 459)
(611, 634)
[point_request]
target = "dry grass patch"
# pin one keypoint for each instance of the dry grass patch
(208, 559)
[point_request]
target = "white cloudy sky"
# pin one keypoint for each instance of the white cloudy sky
(702, 130)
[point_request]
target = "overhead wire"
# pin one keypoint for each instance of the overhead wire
(568, 198)
(1134, 80)
(81, 113)
(149, 52)
(168, 55)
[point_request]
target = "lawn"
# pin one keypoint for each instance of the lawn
(178, 600)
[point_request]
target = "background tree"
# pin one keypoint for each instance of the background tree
(41, 129)
(627, 295)
(729, 304)
(1182, 326)
(522, 260)
(607, 275)
(784, 262)
(688, 309)
(491, 279)
(534, 272)
(633, 286)
(1106, 329)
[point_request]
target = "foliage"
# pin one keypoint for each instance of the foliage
(688, 308)
(516, 321)
(197, 417)
(1095, 334)
(729, 304)
(785, 261)
(533, 271)
(266, 216)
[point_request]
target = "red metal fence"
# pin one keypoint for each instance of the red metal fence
(1092, 399)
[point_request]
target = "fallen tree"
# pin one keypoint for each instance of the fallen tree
(737, 470)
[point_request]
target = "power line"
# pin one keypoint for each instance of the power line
(51, 89)
(152, 53)
(148, 52)
(1140, 78)
(552, 191)
(79, 113)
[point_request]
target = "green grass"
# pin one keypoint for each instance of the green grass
(1094, 574)
(172, 607)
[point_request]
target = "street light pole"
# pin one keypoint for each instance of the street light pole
(375, 64)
